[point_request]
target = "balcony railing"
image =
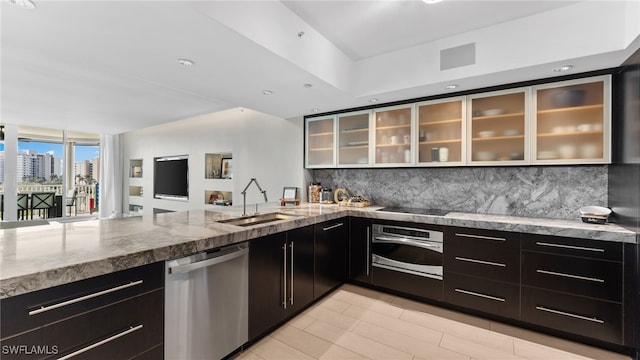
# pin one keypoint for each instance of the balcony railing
(85, 199)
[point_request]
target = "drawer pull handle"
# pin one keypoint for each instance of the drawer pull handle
(569, 246)
(332, 226)
(102, 342)
(570, 276)
(481, 237)
(593, 319)
(480, 261)
(83, 298)
(480, 295)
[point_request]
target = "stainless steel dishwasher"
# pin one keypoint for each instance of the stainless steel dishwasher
(206, 304)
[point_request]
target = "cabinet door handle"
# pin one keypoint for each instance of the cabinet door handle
(284, 276)
(332, 227)
(480, 261)
(569, 246)
(481, 237)
(368, 255)
(593, 319)
(570, 276)
(83, 298)
(291, 266)
(472, 293)
(102, 342)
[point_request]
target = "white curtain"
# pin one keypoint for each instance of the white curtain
(111, 176)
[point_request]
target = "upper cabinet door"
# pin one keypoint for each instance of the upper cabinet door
(320, 140)
(440, 132)
(393, 135)
(354, 136)
(498, 131)
(572, 122)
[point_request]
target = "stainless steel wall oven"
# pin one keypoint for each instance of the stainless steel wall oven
(409, 250)
(407, 259)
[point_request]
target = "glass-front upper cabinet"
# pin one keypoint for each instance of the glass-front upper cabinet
(320, 149)
(498, 128)
(440, 132)
(393, 134)
(353, 139)
(571, 122)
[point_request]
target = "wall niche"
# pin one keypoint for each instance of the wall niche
(218, 166)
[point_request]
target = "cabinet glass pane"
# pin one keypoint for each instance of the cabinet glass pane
(498, 128)
(570, 122)
(440, 132)
(320, 142)
(353, 139)
(393, 136)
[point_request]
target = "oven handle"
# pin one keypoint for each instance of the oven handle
(404, 241)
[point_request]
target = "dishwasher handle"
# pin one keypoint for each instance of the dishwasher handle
(216, 259)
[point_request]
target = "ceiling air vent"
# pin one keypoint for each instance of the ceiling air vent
(458, 56)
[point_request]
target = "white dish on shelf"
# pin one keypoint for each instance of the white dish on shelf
(486, 134)
(486, 156)
(511, 132)
(567, 151)
(546, 155)
(492, 112)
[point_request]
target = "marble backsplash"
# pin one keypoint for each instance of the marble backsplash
(532, 191)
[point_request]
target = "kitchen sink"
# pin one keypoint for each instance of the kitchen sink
(258, 219)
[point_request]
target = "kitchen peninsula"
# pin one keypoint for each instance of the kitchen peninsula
(60, 259)
(35, 258)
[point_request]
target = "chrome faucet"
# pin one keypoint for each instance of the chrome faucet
(244, 196)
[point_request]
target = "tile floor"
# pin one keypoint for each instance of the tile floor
(359, 323)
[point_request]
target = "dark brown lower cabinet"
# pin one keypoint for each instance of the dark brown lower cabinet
(281, 278)
(114, 316)
(494, 297)
(331, 255)
(597, 319)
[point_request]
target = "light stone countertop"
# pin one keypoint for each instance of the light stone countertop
(39, 257)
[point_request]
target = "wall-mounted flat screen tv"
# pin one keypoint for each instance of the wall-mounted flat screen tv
(171, 177)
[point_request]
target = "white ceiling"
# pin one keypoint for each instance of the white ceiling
(110, 66)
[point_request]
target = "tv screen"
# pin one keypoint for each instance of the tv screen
(171, 177)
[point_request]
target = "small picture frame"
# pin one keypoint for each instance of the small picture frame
(289, 197)
(226, 169)
(290, 193)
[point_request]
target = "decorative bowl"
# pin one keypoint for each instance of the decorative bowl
(569, 98)
(594, 214)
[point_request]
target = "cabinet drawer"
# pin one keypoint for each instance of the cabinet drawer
(60, 302)
(594, 249)
(492, 297)
(123, 330)
(580, 276)
(490, 254)
(592, 318)
(116, 326)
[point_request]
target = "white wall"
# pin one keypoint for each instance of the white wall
(264, 147)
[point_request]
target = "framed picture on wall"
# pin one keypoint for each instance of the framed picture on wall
(226, 170)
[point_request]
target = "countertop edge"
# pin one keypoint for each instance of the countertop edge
(21, 284)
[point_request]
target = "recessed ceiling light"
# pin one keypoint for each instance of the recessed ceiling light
(267, 92)
(431, 1)
(372, 100)
(451, 87)
(26, 4)
(307, 85)
(186, 62)
(563, 68)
